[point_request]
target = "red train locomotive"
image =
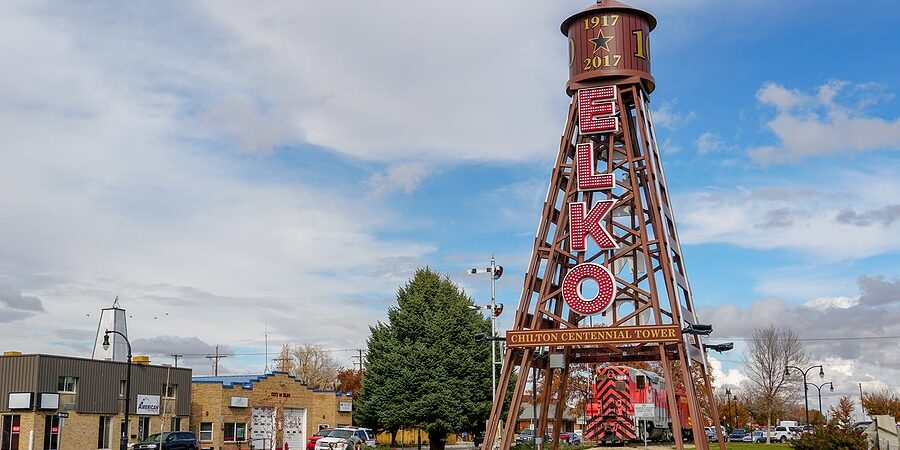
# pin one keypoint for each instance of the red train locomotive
(610, 417)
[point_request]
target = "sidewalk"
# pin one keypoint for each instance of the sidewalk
(459, 446)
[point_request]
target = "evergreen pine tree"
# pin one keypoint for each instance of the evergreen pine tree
(424, 369)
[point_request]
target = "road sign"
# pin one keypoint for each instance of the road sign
(644, 410)
(63, 415)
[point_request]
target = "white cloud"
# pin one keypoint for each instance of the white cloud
(386, 81)
(853, 337)
(404, 177)
(797, 217)
(734, 377)
(110, 189)
(823, 303)
(254, 131)
(667, 116)
(709, 142)
(824, 123)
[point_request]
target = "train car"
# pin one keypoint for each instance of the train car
(611, 414)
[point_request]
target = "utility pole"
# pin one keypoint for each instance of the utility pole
(278, 362)
(176, 356)
(217, 357)
(360, 358)
(861, 401)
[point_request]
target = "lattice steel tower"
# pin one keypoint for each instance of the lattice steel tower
(607, 222)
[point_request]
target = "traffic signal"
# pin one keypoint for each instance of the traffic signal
(498, 272)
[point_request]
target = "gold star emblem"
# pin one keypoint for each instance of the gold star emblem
(601, 41)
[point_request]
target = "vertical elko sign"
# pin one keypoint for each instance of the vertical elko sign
(597, 113)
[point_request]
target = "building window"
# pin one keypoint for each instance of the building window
(51, 432)
(235, 432)
(143, 428)
(9, 433)
(171, 389)
(122, 388)
(104, 432)
(206, 431)
(175, 424)
(67, 384)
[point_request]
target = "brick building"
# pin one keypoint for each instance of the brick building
(36, 390)
(262, 411)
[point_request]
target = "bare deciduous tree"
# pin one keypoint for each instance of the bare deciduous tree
(769, 352)
(310, 363)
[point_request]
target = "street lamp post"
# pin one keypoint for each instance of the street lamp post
(805, 389)
(819, 388)
(123, 443)
(730, 417)
(495, 309)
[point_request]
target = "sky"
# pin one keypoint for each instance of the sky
(244, 172)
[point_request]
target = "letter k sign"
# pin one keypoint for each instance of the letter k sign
(582, 225)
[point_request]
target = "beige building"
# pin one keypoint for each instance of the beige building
(58, 402)
(263, 411)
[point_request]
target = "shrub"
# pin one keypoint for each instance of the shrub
(831, 437)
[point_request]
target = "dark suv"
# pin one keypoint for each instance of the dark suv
(173, 440)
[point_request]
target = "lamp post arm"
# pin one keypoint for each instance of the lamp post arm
(127, 342)
(811, 368)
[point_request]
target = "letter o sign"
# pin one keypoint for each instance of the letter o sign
(571, 290)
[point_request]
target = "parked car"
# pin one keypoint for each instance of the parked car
(737, 434)
(343, 438)
(311, 443)
(569, 437)
(173, 440)
(782, 434)
(711, 434)
(526, 435)
(755, 437)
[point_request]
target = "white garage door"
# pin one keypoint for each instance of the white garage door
(295, 428)
(262, 429)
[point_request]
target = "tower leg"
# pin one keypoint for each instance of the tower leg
(693, 401)
(673, 400)
(713, 406)
(561, 401)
